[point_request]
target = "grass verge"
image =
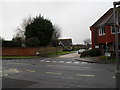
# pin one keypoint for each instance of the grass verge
(45, 55)
(108, 59)
(19, 57)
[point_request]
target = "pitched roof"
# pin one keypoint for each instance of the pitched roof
(107, 18)
(66, 42)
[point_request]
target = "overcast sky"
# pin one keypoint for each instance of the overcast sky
(74, 17)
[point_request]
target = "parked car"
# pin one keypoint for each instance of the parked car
(67, 49)
(80, 51)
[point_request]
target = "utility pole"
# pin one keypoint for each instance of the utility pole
(116, 21)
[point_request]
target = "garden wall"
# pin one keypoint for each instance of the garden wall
(28, 51)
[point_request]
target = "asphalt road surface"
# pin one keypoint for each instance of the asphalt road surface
(60, 72)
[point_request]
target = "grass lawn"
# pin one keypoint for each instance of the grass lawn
(114, 60)
(19, 57)
(45, 55)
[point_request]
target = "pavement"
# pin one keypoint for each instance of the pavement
(90, 60)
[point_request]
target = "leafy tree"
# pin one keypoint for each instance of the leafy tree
(10, 44)
(40, 28)
(17, 41)
(33, 42)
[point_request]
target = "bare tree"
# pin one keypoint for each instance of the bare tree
(87, 42)
(55, 36)
(56, 33)
(20, 32)
(21, 28)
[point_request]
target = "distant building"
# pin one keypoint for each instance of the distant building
(103, 32)
(66, 43)
(81, 46)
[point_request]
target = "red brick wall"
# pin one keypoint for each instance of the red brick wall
(93, 36)
(27, 51)
(108, 37)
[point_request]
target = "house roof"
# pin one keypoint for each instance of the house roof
(107, 18)
(65, 42)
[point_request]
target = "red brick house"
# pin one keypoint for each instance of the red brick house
(103, 32)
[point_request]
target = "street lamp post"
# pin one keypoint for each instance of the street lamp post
(116, 45)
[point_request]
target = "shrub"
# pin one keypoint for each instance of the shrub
(92, 53)
(113, 54)
(76, 48)
(33, 42)
(103, 57)
(11, 44)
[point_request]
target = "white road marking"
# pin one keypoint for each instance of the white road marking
(85, 75)
(30, 70)
(47, 61)
(113, 77)
(61, 62)
(53, 73)
(42, 60)
(68, 62)
(76, 62)
(54, 61)
(84, 63)
(87, 67)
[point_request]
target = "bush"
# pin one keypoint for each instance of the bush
(11, 44)
(103, 57)
(33, 42)
(76, 48)
(92, 53)
(113, 54)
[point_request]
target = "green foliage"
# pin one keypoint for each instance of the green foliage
(76, 48)
(103, 57)
(33, 42)
(113, 54)
(13, 43)
(17, 41)
(92, 53)
(40, 28)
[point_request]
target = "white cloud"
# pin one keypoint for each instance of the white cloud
(74, 18)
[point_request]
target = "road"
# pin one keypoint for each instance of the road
(59, 72)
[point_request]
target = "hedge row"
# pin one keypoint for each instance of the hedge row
(92, 53)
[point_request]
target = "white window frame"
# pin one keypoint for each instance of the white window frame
(101, 31)
(112, 30)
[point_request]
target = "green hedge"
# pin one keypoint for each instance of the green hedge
(92, 53)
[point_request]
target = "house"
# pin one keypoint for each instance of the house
(80, 46)
(66, 43)
(103, 32)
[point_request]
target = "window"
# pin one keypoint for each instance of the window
(113, 30)
(102, 31)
